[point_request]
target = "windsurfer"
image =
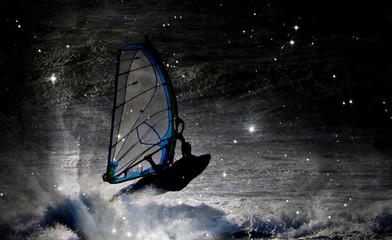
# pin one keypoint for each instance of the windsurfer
(176, 176)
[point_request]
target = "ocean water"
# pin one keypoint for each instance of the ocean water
(300, 134)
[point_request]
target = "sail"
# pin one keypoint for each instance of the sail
(143, 115)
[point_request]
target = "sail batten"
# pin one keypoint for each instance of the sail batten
(144, 110)
(133, 70)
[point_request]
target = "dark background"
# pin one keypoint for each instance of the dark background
(351, 41)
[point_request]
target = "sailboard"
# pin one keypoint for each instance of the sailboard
(144, 127)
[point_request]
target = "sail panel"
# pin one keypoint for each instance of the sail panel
(122, 81)
(143, 115)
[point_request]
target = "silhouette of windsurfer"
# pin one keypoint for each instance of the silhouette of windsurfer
(173, 177)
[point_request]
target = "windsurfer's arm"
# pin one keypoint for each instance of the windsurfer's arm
(186, 147)
(148, 158)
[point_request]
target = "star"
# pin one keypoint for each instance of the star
(53, 78)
